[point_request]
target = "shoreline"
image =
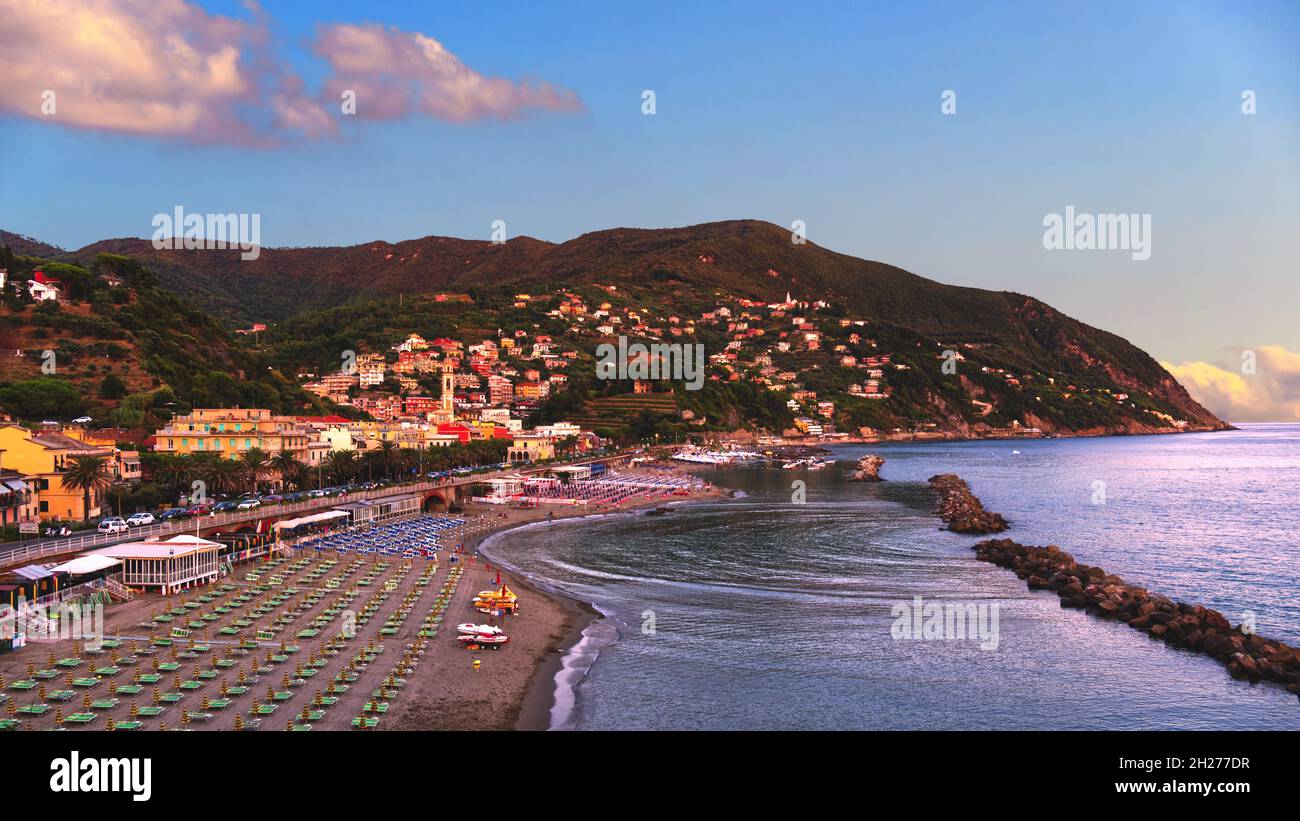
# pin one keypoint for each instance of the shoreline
(954, 436)
(533, 707)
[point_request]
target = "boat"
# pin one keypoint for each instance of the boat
(485, 642)
(471, 629)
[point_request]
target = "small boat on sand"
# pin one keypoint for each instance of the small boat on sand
(471, 629)
(485, 642)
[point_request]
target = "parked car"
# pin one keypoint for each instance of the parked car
(199, 509)
(272, 499)
(248, 504)
(139, 519)
(226, 506)
(173, 513)
(113, 524)
(295, 497)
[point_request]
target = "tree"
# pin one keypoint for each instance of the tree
(90, 475)
(387, 455)
(112, 387)
(288, 466)
(256, 465)
(341, 465)
(42, 398)
(220, 475)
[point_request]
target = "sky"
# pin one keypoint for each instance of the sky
(829, 113)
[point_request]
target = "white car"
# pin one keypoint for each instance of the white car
(138, 519)
(113, 524)
(248, 504)
(82, 420)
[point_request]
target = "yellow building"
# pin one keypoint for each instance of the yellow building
(43, 459)
(232, 431)
(531, 449)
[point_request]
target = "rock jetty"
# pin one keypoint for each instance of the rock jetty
(1247, 655)
(961, 510)
(868, 469)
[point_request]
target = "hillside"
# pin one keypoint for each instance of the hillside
(121, 349)
(1022, 361)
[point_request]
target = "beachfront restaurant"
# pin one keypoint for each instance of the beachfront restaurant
(169, 565)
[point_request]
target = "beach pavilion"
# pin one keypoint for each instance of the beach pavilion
(171, 564)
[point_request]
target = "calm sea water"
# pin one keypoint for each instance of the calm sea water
(773, 615)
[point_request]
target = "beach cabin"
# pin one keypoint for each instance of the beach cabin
(504, 487)
(169, 565)
(570, 473)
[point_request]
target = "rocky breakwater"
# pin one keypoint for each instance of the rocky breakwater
(1247, 655)
(961, 510)
(868, 469)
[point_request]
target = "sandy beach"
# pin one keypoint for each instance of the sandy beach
(513, 688)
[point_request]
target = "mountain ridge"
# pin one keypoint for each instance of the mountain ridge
(680, 268)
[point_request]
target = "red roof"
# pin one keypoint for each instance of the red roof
(40, 277)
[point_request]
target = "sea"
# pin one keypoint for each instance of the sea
(789, 605)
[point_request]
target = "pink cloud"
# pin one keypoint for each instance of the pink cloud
(151, 67)
(169, 69)
(396, 73)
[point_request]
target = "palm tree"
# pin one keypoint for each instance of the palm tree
(173, 470)
(387, 453)
(220, 475)
(288, 466)
(341, 464)
(90, 475)
(256, 464)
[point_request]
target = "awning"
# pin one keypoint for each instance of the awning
(289, 524)
(15, 484)
(82, 565)
(35, 572)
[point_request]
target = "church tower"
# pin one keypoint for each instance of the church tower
(447, 402)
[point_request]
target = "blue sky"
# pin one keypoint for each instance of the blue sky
(829, 114)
